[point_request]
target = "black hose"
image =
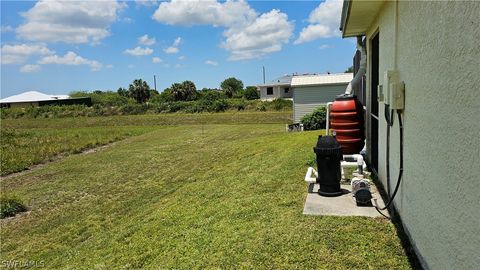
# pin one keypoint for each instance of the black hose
(400, 173)
(389, 119)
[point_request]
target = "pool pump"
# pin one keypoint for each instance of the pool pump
(361, 191)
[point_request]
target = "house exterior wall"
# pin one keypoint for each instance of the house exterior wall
(307, 98)
(23, 104)
(437, 52)
(278, 92)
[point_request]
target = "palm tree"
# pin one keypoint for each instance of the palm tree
(139, 90)
(189, 90)
(177, 91)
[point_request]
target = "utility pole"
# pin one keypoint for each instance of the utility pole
(263, 74)
(155, 82)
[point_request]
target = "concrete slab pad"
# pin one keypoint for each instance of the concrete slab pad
(343, 205)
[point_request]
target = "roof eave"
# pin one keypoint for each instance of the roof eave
(358, 15)
(273, 84)
(321, 84)
(345, 15)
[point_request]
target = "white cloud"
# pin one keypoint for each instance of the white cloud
(131, 66)
(139, 51)
(147, 41)
(109, 66)
(248, 34)
(265, 35)
(70, 58)
(174, 47)
(30, 68)
(69, 21)
(211, 62)
(156, 60)
(324, 22)
(146, 3)
(206, 12)
(6, 28)
(181, 57)
(18, 54)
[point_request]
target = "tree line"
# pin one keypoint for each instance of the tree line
(141, 92)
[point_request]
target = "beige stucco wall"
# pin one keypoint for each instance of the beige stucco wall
(438, 57)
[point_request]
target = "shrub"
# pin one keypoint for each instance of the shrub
(107, 98)
(238, 104)
(134, 109)
(239, 94)
(280, 104)
(315, 120)
(251, 93)
(220, 105)
(10, 206)
(231, 85)
(211, 95)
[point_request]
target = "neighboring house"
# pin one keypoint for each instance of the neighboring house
(432, 47)
(313, 91)
(34, 99)
(279, 88)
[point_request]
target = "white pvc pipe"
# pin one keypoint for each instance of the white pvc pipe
(357, 157)
(361, 70)
(327, 127)
(359, 163)
(309, 176)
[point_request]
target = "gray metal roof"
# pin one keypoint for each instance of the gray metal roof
(284, 80)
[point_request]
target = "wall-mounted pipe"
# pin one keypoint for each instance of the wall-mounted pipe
(357, 80)
(327, 124)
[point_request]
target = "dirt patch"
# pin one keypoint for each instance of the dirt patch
(55, 159)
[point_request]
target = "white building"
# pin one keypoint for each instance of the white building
(35, 99)
(278, 88)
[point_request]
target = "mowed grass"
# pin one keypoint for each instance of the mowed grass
(26, 142)
(22, 148)
(219, 196)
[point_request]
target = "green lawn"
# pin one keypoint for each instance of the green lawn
(218, 196)
(26, 142)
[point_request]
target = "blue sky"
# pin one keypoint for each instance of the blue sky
(58, 47)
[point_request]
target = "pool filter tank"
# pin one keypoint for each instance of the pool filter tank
(329, 156)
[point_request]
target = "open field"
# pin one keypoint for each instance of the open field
(26, 142)
(218, 196)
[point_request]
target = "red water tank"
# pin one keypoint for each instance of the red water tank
(346, 119)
